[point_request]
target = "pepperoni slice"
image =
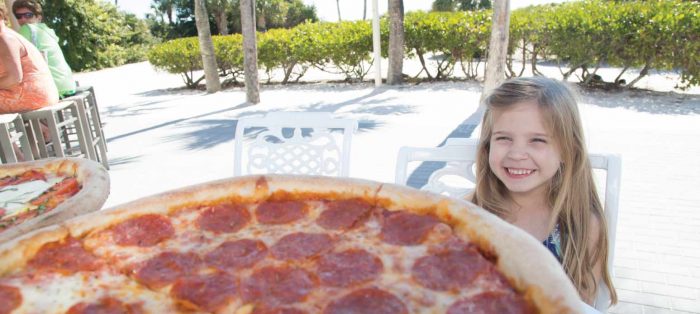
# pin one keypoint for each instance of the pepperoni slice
(274, 286)
(58, 193)
(492, 302)
(301, 245)
(106, 305)
(449, 269)
(349, 267)
(225, 218)
(146, 230)
(359, 301)
(236, 254)
(65, 257)
(274, 213)
(344, 215)
(404, 228)
(10, 299)
(166, 267)
(278, 310)
(205, 292)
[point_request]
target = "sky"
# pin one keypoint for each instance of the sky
(327, 11)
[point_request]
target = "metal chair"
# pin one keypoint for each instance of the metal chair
(460, 156)
(89, 115)
(65, 128)
(294, 143)
(12, 132)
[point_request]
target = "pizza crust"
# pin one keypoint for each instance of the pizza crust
(93, 178)
(529, 267)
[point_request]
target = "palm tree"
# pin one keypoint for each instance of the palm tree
(364, 11)
(498, 46)
(337, 4)
(250, 53)
(206, 47)
(396, 42)
(164, 7)
(219, 9)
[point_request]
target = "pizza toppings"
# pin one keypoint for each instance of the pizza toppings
(403, 228)
(301, 245)
(492, 302)
(205, 292)
(273, 286)
(345, 214)
(278, 310)
(225, 218)
(58, 193)
(146, 230)
(65, 257)
(167, 267)
(280, 212)
(106, 305)
(30, 175)
(329, 256)
(10, 299)
(380, 301)
(349, 267)
(449, 269)
(233, 255)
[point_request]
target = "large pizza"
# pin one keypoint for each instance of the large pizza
(41, 193)
(284, 244)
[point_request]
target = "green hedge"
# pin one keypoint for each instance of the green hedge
(662, 35)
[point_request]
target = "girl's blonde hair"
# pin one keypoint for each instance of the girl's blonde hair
(571, 193)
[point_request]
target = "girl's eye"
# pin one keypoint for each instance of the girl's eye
(539, 140)
(502, 138)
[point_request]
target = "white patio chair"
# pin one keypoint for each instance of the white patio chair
(294, 143)
(460, 156)
(612, 165)
(452, 180)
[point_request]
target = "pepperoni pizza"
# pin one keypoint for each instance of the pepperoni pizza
(284, 244)
(37, 194)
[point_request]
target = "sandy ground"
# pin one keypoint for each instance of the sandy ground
(161, 136)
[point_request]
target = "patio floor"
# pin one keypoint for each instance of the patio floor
(162, 137)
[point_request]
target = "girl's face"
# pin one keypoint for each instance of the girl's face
(523, 154)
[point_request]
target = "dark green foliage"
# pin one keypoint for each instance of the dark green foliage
(94, 35)
(581, 36)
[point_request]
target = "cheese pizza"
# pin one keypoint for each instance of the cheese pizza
(284, 244)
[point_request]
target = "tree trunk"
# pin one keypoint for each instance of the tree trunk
(337, 4)
(396, 43)
(250, 51)
(498, 46)
(364, 11)
(206, 47)
(221, 18)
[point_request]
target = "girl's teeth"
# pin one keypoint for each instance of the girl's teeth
(519, 171)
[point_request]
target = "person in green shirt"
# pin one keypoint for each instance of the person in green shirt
(29, 15)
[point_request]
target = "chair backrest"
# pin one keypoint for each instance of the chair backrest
(612, 165)
(294, 143)
(460, 156)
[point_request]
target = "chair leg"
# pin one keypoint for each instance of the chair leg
(40, 141)
(53, 131)
(24, 142)
(8, 151)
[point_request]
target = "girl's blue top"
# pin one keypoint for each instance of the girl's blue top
(553, 243)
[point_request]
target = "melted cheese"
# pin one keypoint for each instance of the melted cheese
(15, 198)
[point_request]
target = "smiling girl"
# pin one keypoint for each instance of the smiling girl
(533, 171)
